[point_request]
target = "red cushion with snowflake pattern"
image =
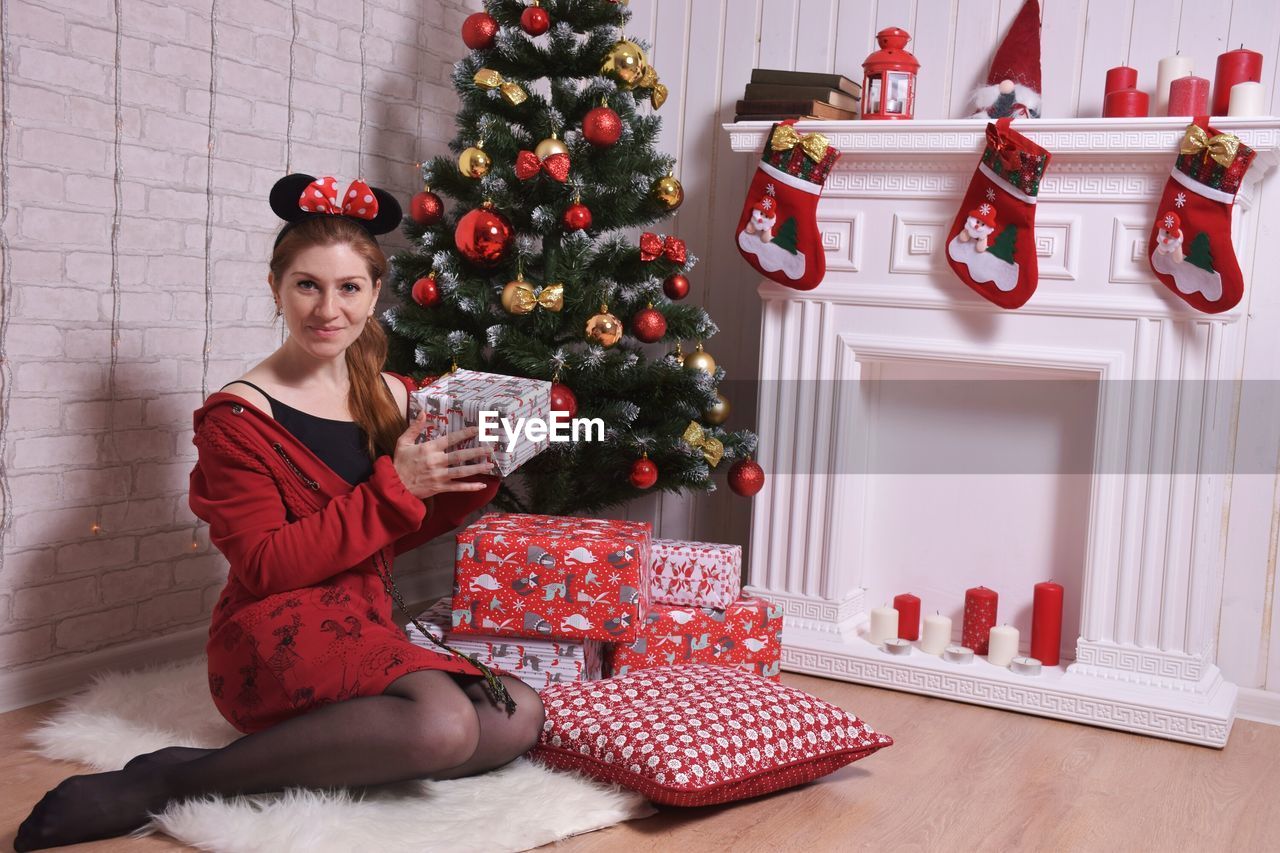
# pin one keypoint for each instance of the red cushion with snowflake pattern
(697, 735)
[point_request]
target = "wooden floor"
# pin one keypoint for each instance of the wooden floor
(959, 778)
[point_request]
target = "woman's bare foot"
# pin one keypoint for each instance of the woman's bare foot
(168, 755)
(93, 806)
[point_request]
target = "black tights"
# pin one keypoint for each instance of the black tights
(427, 724)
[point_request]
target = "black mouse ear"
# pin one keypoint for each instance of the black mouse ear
(286, 194)
(389, 213)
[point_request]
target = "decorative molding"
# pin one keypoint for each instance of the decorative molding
(842, 242)
(1058, 247)
(918, 243)
(1129, 264)
(1139, 665)
(813, 614)
(1261, 706)
(887, 184)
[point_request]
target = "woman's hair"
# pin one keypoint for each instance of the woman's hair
(373, 409)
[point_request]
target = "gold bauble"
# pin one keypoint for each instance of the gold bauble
(700, 359)
(550, 146)
(718, 412)
(474, 162)
(513, 302)
(668, 192)
(625, 63)
(604, 328)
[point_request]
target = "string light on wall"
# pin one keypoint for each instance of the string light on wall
(6, 283)
(288, 129)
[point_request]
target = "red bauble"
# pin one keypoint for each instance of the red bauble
(601, 126)
(478, 31)
(676, 286)
(426, 208)
(643, 473)
(577, 217)
(649, 325)
(746, 477)
(535, 21)
(425, 292)
(563, 400)
(483, 236)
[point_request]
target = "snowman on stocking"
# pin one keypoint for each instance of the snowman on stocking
(778, 231)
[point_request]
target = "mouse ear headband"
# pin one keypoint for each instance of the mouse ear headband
(298, 197)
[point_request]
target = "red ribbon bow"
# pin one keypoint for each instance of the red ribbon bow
(528, 165)
(653, 246)
(321, 196)
(1006, 149)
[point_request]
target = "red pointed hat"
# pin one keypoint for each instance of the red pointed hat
(1018, 58)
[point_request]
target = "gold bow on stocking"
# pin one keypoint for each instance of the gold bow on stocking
(814, 145)
(1222, 148)
(487, 78)
(712, 448)
(550, 298)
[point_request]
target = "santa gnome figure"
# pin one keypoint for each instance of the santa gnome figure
(764, 216)
(979, 226)
(1169, 237)
(1013, 86)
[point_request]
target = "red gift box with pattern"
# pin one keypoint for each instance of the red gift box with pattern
(746, 634)
(524, 575)
(704, 574)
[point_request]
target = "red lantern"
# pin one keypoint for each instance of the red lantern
(889, 78)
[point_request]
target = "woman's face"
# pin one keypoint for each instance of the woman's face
(327, 297)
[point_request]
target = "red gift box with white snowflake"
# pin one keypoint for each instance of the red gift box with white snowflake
(704, 574)
(524, 575)
(746, 634)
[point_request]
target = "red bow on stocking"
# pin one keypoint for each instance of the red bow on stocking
(321, 196)
(528, 165)
(653, 246)
(1006, 149)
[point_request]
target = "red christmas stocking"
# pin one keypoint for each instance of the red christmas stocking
(778, 231)
(1190, 244)
(992, 244)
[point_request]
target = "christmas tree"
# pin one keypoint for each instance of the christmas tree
(1199, 254)
(1003, 247)
(523, 274)
(786, 236)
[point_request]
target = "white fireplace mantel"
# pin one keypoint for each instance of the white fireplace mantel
(1142, 553)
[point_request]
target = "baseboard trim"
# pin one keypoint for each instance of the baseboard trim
(1261, 706)
(37, 684)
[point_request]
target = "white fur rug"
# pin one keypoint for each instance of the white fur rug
(518, 807)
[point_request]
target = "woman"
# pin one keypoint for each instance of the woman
(311, 484)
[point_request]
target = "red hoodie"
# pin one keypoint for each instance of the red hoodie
(302, 543)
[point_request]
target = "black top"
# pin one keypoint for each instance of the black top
(339, 444)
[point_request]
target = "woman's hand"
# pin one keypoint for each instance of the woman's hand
(425, 468)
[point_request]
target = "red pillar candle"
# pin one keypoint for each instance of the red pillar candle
(1125, 103)
(908, 607)
(1121, 77)
(1046, 622)
(1188, 96)
(979, 618)
(1234, 66)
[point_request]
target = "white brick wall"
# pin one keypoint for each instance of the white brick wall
(71, 457)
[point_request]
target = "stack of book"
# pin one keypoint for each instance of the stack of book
(774, 95)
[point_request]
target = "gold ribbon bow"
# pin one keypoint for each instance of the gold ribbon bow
(1222, 148)
(551, 298)
(657, 91)
(814, 145)
(487, 78)
(712, 448)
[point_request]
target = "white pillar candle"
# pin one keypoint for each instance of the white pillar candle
(884, 624)
(1002, 645)
(1169, 69)
(937, 634)
(1247, 100)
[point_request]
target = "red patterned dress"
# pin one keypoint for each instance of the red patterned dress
(305, 619)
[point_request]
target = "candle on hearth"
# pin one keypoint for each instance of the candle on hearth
(1170, 68)
(897, 646)
(1046, 620)
(979, 617)
(957, 654)
(1188, 96)
(884, 624)
(1247, 100)
(937, 634)
(1125, 103)
(1025, 666)
(1120, 77)
(1002, 645)
(1234, 66)
(908, 607)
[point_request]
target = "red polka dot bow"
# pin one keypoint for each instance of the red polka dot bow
(321, 196)
(528, 164)
(653, 246)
